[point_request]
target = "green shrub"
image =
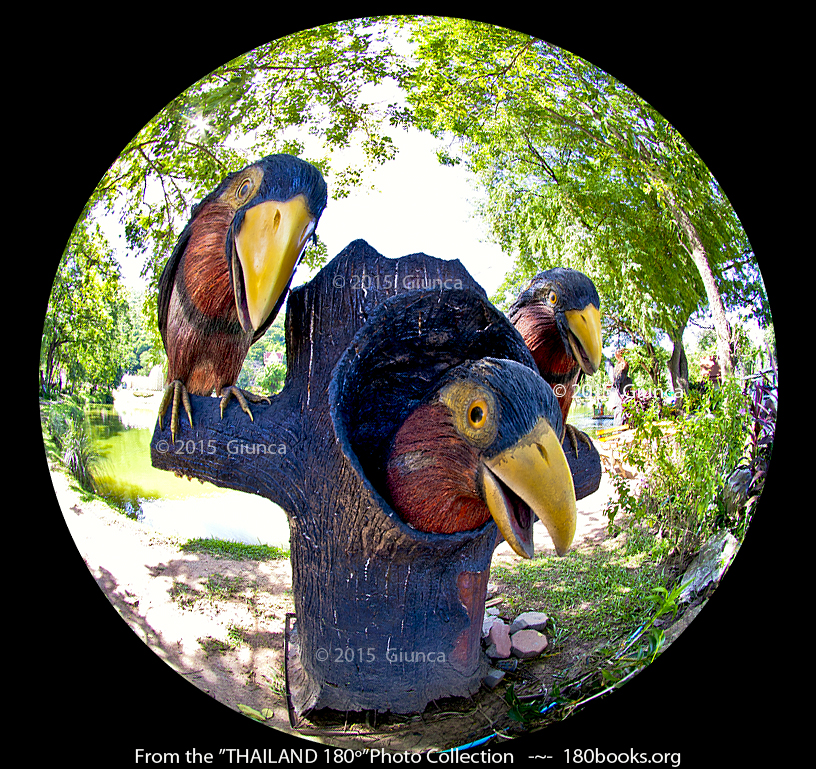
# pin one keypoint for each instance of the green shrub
(57, 417)
(683, 464)
(78, 454)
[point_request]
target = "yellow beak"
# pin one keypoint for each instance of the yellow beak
(585, 337)
(536, 470)
(269, 244)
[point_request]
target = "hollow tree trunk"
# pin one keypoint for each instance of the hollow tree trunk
(388, 617)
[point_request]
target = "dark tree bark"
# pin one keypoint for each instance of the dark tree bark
(388, 617)
(678, 365)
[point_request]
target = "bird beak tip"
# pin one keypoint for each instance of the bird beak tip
(585, 339)
(545, 486)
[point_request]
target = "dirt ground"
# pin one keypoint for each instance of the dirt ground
(220, 624)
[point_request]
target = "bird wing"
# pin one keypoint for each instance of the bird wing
(168, 277)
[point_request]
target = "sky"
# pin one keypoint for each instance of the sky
(417, 205)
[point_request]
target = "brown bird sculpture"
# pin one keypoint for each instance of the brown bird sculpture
(558, 316)
(486, 443)
(228, 275)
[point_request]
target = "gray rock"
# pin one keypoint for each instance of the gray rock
(487, 623)
(493, 678)
(492, 652)
(529, 620)
(735, 491)
(710, 564)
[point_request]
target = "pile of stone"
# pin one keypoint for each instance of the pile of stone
(505, 644)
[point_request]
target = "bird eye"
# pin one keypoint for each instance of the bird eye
(477, 413)
(245, 187)
(552, 297)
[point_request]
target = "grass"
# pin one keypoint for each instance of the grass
(610, 595)
(594, 594)
(222, 587)
(217, 587)
(236, 551)
(214, 645)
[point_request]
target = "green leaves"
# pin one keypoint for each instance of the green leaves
(312, 81)
(685, 463)
(578, 170)
(524, 712)
(81, 330)
(264, 714)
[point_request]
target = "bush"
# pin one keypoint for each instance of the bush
(684, 463)
(272, 378)
(78, 455)
(57, 418)
(762, 395)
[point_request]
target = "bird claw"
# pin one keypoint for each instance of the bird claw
(242, 397)
(177, 393)
(574, 434)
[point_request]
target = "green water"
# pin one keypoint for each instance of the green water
(580, 416)
(125, 475)
(122, 434)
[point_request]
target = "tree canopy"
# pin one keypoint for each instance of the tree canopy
(316, 80)
(82, 323)
(578, 170)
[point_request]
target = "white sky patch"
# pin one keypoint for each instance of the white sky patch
(413, 204)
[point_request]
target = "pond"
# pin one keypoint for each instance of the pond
(189, 509)
(581, 416)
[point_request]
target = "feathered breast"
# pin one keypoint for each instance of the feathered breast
(432, 474)
(204, 273)
(539, 329)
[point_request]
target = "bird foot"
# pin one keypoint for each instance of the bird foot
(574, 436)
(242, 396)
(176, 393)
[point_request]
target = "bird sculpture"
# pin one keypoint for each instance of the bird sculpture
(228, 274)
(558, 316)
(486, 443)
(407, 412)
(621, 385)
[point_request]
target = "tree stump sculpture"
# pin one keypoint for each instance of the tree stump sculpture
(387, 617)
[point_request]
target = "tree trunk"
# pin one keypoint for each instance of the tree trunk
(700, 258)
(654, 369)
(50, 363)
(678, 364)
(387, 617)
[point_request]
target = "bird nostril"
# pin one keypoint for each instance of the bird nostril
(543, 452)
